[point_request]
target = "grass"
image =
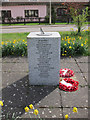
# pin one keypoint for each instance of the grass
(22, 24)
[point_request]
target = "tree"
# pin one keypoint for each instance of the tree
(79, 19)
(77, 13)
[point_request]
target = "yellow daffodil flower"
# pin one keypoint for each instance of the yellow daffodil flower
(62, 54)
(62, 39)
(65, 44)
(2, 43)
(70, 47)
(26, 109)
(80, 38)
(65, 51)
(23, 40)
(73, 43)
(1, 103)
(31, 106)
(66, 116)
(36, 112)
(74, 109)
(81, 44)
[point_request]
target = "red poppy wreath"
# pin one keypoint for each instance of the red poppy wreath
(66, 72)
(68, 84)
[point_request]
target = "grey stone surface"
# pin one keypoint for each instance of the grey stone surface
(9, 78)
(67, 60)
(73, 66)
(44, 58)
(15, 59)
(7, 66)
(82, 59)
(84, 67)
(86, 75)
(78, 98)
(52, 100)
(80, 78)
(0, 66)
(20, 67)
(0, 59)
(14, 67)
(46, 113)
(82, 113)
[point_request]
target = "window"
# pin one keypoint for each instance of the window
(60, 12)
(31, 13)
(6, 13)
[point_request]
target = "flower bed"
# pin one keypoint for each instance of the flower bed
(71, 45)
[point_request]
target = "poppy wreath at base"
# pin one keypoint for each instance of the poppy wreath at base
(66, 72)
(74, 84)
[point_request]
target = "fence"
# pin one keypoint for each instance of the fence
(22, 20)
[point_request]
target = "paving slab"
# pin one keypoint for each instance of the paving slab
(82, 113)
(15, 67)
(0, 66)
(9, 78)
(20, 95)
(45, 113)
(72, 66)
(7, 66)
(0, 60)
(86, 77)
(79, 77)
(78, 98)
(84, 67)
(67, 60)
(14, 59)
(52, 100)
(82, 59)
(20, 67)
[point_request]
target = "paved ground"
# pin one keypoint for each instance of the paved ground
(49, 100)
(36, 28)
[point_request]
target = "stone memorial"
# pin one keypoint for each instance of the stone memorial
(44, 58)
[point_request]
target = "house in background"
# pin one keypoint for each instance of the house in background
(33, 9)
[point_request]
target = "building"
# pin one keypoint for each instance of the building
(34, 9)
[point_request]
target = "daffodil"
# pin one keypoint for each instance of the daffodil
(31, 106)
(74, 109)
(70, 47)
(36, 112)
(65, 51)
(65, 44)
(1, 103)
(62, 54)
(73, 43)
(80, 38)
(81, 44)
(62, 39)
(2, 43)
(26, 109)
(66, 116)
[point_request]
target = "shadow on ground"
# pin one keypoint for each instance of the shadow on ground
(19, 94)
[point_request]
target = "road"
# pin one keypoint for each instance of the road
(36, 28)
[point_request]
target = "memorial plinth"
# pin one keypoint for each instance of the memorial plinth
(44, 58)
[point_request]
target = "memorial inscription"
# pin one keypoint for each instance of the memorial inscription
(43, 48)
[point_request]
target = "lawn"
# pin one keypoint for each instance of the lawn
(39, 24)
(71, 42)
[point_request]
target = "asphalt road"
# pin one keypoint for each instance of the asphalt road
(36, 28)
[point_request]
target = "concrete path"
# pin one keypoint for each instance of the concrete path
(49, 100)
(36, 28)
